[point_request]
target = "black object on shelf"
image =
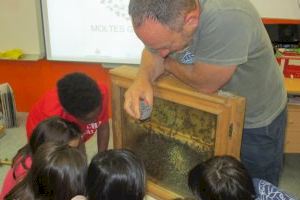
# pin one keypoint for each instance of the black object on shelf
(284, 35)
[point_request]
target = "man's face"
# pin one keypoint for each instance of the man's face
(160, 39)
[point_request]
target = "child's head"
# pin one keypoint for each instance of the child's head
(57, 173)
(55, 129)
(80, 96)
(115, 174)
(221, 178)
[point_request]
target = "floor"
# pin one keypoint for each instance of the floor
(14, 138)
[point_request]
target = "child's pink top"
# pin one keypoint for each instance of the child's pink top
(9, 181)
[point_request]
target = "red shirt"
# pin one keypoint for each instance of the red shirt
(49, 105)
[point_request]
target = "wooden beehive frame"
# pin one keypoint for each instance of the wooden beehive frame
(229, 110)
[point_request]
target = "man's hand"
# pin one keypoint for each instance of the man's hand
(150, 69)
(140, 89)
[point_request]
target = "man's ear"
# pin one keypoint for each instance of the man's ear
(191, 19)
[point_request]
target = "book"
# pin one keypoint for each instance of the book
(294, 99)
(8, 116)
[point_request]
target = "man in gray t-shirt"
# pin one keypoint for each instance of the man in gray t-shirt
(216, 45)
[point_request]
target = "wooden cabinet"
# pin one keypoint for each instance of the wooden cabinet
(287, 9)
(292, 138)
(185, 128)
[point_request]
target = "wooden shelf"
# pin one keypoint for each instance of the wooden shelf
(28, 57)
(280, 21)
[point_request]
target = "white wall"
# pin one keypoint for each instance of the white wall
(282, 9)
(21, 27)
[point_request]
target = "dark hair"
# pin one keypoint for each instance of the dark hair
(166, 12)
(53, 129)
(221, 178)
(79, 94)
(115, 174)
(57, 173)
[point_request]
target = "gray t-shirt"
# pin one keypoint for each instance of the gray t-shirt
(231, 32)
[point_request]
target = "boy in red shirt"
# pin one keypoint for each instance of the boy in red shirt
(79, 99)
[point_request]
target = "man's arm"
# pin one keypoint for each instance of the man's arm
(150, 69)
(204, 77)
(103, 137)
